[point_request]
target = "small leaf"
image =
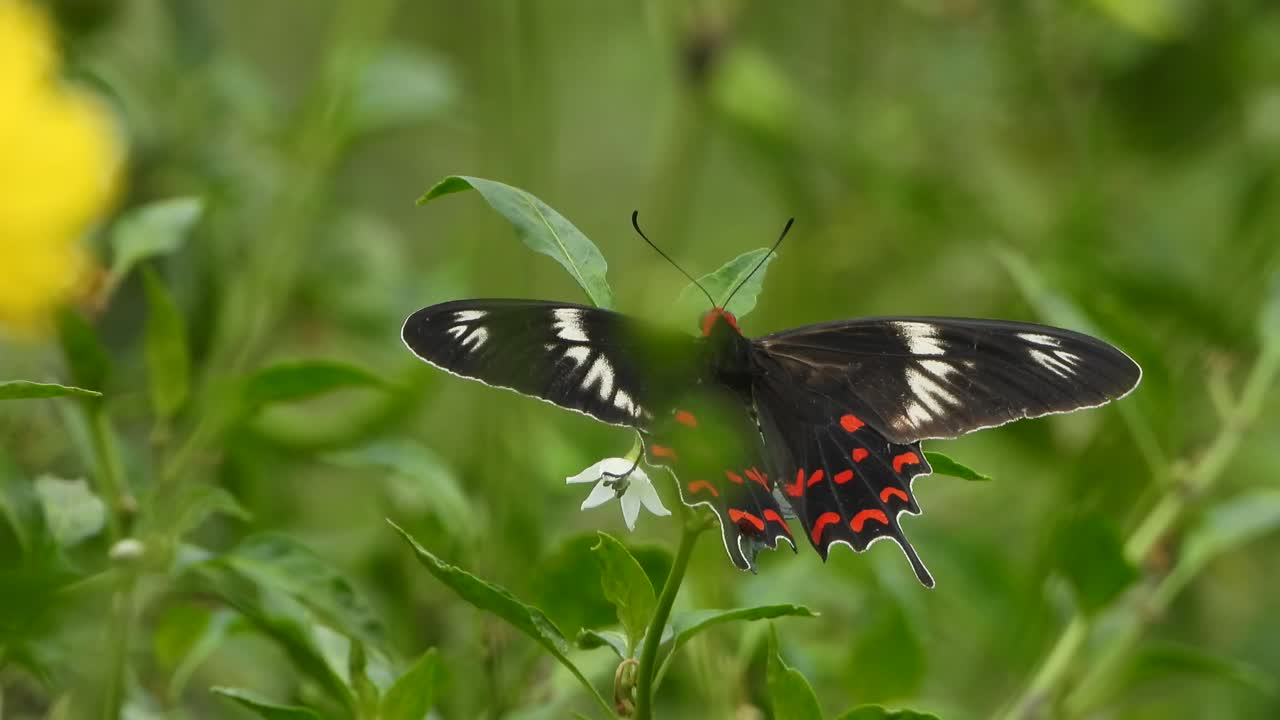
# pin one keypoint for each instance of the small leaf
(154, 229)
(413, 693)
(540, 228)
(1090, 553)
(721, 282)
(401, 87)
(71, 509)
(1224, 527)
(165, 347)
(615, 641)
(264, 707)
(27, 390)
(943, 465)
(626, 586)
(284, 565)
(86, 357)
(688, 624)
(303, 379)
(790, 694)
(498, 600)
(876, 712)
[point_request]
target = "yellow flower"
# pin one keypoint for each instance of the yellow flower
(60, 159)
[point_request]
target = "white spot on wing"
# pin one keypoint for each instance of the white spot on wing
(475, 339)
(457, 330)
(623, 402)
(600, 371)
(568, 325)
(466, 316)
(1051, 363)
(1040, 339)
(578, 354)
(939, 368)
(929, 392)
(921, 338)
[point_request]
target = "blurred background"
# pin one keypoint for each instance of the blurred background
(216, 191)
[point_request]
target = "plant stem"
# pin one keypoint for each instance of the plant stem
(110, 469)
(690, 530)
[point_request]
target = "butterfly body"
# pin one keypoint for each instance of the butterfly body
(822, 423)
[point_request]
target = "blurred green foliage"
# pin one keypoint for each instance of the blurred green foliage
(1112, 166)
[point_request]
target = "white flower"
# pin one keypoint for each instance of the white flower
(611, 479)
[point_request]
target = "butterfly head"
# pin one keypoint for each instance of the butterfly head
(717, 317)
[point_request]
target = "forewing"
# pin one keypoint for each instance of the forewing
(593, 361)
(914, 378)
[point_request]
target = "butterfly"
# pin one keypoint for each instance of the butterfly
(822, 423)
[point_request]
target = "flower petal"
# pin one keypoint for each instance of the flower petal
(617, 466)
(600, 494)
(630, 508)
(644, 491)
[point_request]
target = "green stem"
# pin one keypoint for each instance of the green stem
(690, 530)
(110, 469)
(1055, 666)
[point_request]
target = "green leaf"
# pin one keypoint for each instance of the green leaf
(1224, 527)
(27, 390)
(876, 712)
(264, 707)
(1166, 661)
(593, 639)
(499, 601)
(943, 465)
(626, 586)
(687, 624)
(413, 693)
(789, 692)
(540, 228)
(567, 586)
(165, 347)
(401, 87)
(87, 359)
(1090, 552)
(197, 503)
(284, 565)
(304, 379)
(721, 282)
(157, 228)
(73, 512)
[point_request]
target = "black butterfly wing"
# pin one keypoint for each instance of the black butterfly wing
(581, 358)
(914, 378)
(711, 443)
(846, 482)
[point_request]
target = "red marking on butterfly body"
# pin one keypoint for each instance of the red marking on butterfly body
(738, 516)
(775, 517)
(700, 485)
(759, 477)
(889, 492)
(825, 519)
(864, 515)
(814, 479)
(851, 423)
(684, 417)
(662, 451)
(906, 458)
(715, 314)
(796, 489)
(843, 477)
(734, 477)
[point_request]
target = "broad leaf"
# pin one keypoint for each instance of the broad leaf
(626, 586)
(26, 390)
(615, 641)
(721, 282)
(155, 229)
(413, 693)
(876, 712)
(165, 346)
(790, 694)
(304, 379)
(540, 228)
(265, 708)
(944, 465)
(71, 509)
(687, 624)
(1090, 553)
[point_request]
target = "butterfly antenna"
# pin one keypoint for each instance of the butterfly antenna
(635, 223)
(760, 264)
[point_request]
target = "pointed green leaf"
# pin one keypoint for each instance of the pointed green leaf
(876, 712)
(626, 586)
(540, 228)
(592, 639)
(154, 229)
(790, 694)
(265, 708)
(165, 347)
(304, 379)
(413, 693)
(27, 390)
(71, 509)
(687, 624)
(943, 465)
(721, 282)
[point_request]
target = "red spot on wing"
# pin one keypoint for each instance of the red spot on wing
(662, 451)
(859, 454)
(775, 517)
(864, 515)
(739, 516)
(825, 519)
(814, 479)
(851, 423)
(714, 315)
(759, 477)
(906, 458)
(843, 477)
(701, 485)
(796, 489)
(684, 417)
(734, 477)
(889, 492)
